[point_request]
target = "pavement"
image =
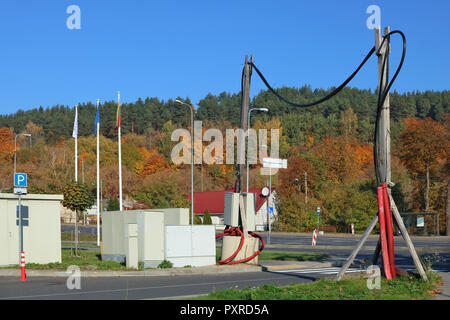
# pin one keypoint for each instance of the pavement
(264, 265)
(337, 247)
(445, 287)
(329, 266)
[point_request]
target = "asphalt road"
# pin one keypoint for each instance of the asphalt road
(163, 287)
(140, 287)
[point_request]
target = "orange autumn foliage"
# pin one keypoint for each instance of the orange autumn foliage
(345, 159)
(153, 163)
(6, 144)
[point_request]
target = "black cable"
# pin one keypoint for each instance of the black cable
(330, 95)
(382, 94)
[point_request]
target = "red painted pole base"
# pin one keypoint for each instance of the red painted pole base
(23, 276)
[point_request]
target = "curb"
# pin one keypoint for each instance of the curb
(146, 273)
(365, 247)
(216, 269)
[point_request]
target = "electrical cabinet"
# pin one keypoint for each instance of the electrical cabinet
(231, 211)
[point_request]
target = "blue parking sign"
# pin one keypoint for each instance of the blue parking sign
(20, 180)
(318, 210)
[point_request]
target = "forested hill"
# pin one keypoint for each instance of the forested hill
(224, 111)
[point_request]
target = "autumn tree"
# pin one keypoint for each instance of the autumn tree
(78, 198)
(6, 144)
(422, 146)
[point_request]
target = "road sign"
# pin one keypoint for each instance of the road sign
(275, 163)
(420, 222)
(24, 212)
(318, 210)
(270, 209)
(20, 180)
(19, 191)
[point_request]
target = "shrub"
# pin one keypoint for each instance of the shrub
(165, 264)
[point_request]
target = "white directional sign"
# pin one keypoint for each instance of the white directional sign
(275, 163)
(20, 191)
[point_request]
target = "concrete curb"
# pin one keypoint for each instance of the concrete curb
(265, 265)
(146, 273)
(350, 248)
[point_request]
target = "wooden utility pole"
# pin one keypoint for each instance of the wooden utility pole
(306, 188)
(383, 165)
(244, 118)
(447, 210)
(384, 131)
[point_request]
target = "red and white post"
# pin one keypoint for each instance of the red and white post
(23, 276)
(314, 239)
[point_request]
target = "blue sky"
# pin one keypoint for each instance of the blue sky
(167, 49)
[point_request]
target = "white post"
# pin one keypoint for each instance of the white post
(268, 202)
(192, 167)
(120, 167)
(76, 145)
(98, 180)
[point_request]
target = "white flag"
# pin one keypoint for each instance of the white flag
(75, 124)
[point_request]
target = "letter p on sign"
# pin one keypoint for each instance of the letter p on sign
(20, 180)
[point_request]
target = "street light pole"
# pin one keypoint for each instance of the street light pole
(192, 156)
(15, 147)
(248, 138)
(20, 197)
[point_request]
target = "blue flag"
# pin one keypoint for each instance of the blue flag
(97, 120)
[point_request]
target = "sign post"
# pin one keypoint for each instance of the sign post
(278, 164)
(318, 218)
(20, 188)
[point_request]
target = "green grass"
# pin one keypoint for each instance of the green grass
(409, 287)
(284, 255)
(67, 236)
(87, 260)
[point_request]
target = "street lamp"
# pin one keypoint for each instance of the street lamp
(192, 156)
(15, 144)
(248, 135)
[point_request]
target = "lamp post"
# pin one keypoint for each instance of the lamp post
(21, 253)
(192, 156)
(248, 137)
(15, 147)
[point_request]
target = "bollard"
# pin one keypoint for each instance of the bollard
(23, 276)
(314, 237)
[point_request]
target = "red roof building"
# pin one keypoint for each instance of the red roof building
(214, 201)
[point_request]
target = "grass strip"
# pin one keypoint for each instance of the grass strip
(408, 287)
(284, 255)
(87, 260)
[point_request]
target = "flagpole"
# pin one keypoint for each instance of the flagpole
(76, 144)
(98, 177)
(120, 165)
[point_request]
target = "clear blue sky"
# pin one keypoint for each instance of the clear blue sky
(191, 48)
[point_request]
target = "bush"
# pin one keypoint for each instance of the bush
(166, 264)
(113, 205)
(207, 217)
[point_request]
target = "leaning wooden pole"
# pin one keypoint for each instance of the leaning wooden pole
(383, 166)
(358, 247)
(407, 239)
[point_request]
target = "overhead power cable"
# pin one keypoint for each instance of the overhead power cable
(382, 94)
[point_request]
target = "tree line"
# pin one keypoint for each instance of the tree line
(331, 142)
